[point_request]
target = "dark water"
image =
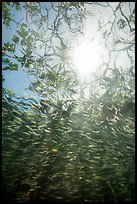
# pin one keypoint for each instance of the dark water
(67, 158)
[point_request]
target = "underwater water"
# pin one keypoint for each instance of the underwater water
(67, 158)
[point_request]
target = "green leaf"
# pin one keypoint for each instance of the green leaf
(6, 61)
(23, 42)
(11, 92)
(9, 47)
(22, 33)
(15, 39)
(12, 67)
(25, 33)
(3, 79)
(12, 48)
(6, 68)
(16, 5)
(24, 25)
(121, 23)
(27, 64)
(64, 47)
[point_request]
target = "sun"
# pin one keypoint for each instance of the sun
(87, 57)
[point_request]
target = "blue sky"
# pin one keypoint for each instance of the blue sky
(16, 81)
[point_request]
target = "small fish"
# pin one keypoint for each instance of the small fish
(27, 126)
(44, 152)
(54, 141)
(96, 131)
(47, 131)
(129, 148)
(59, 197)
(120, 153)
(36, 143)
(96, 157)
(36, 134)
(54, 150)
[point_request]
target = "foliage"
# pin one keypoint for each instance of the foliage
(66, 146)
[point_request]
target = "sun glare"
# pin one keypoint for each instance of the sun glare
(87, 57)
